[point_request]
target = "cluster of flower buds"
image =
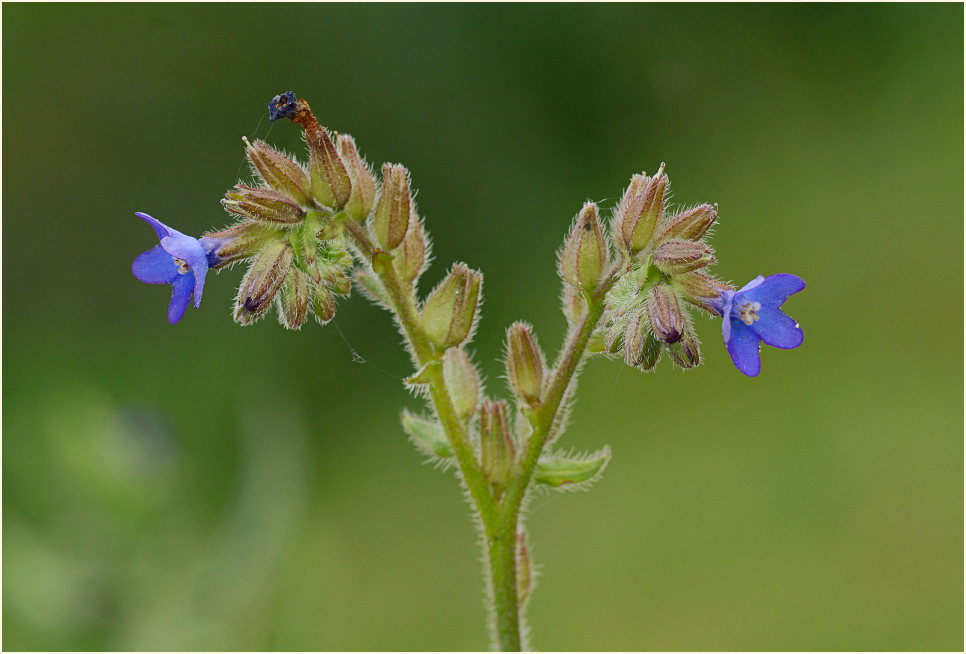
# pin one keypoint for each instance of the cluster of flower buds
(663, 257)
(290, 223)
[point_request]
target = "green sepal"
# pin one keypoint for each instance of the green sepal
(560, 471)
(426, 435)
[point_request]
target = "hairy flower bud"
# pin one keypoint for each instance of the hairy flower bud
(462, 381)
(239, 241)
(294, 296)
(323, 304)
(330, 179)
(676, 257)
(278, 171)
(585, 255)
(363, 184)
(690, 225)
(641, 210)
(391, 220)
(496, 444)
(264, 204)
(262, 281)
(524, 363)
(700, 290)
(664, 314)
(449, 311)
(410, 257)
(684, 352)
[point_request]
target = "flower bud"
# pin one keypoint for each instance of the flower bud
(410, 256)
(641, 347)
(496, 443)
(462, 381)
(690, 225)
(262, 281)
(363, 185)
(641, 210)
(572, 304)
(700, 290)
(279, 172)
(265, 204)
(294, 298)
(664, 313)
(330, 179)
(323, 304)
(239, 241)
(685, 352)
(676, 257)
(392, 209)
(449, 311)
(524, 363)
(585, 255)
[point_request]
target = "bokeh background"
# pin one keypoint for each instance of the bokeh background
(207, 486)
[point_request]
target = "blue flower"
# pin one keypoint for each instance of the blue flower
(179, 260)
(752, 315)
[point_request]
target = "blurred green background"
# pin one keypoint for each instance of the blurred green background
(208, 486)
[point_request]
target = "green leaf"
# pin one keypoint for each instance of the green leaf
(426, 435)
(558, 471)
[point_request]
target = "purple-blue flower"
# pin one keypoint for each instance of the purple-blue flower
(752, 315)
(179, 260)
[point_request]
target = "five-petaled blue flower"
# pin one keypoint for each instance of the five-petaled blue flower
(752, 315)
(179, 260)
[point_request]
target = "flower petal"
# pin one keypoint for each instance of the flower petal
(182, 287)
(774, 290)
(744, 348)
(777, 329)
(160, 228)
(190, 250)
(155, 267)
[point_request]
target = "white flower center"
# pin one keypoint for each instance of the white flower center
(748, 312)
(183, 266)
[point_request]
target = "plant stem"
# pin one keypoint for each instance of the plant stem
(499, 515)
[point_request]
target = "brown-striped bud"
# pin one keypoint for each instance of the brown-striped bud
(641, 347)
(685, 352)
(572, 303)
(676, 257)
(279, 172)
(239, 241)
(664, 314)
(585, 256)
(700, 290)
(323, 304)
(496, 444)
(449, 311)
(642, 211)
(391, 220)
(262, 281)
(330, 179)
(363, 184)
(462, 381)
(690, 225)
(294, 296)
(524, 363)
(264, 204)
(410, 256)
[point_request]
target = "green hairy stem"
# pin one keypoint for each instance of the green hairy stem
(499, 515)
